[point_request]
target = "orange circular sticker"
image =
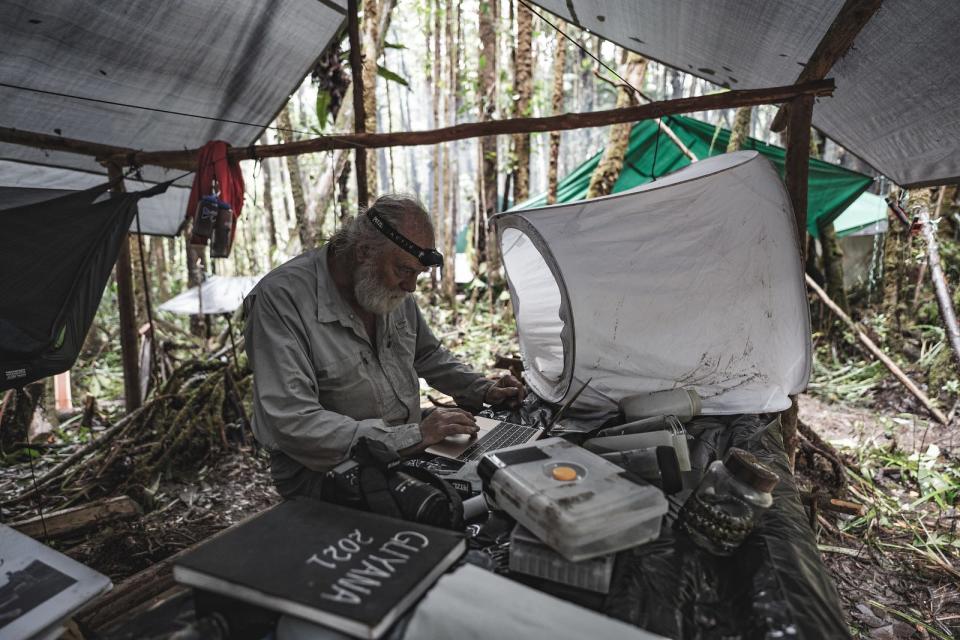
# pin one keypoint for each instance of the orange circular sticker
(564, 474)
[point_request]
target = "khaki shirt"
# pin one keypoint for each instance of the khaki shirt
(319, 384)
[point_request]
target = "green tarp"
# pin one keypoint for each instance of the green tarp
(831, 188)
(867, 211)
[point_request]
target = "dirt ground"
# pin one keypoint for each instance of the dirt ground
(892, 581)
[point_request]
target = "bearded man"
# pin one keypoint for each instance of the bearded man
(338, 345)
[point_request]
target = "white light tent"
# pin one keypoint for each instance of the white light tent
(693, 280)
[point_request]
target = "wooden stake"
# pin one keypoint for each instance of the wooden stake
(876, 352)
(128, 317)
(359, 114)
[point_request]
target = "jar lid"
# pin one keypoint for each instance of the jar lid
(745, 467)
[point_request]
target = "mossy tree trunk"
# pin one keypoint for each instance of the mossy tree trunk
(741, 128)
(486, 244)
(523, 89)
(303, 218)
(370, 41)
(557, 105)
(611, 163)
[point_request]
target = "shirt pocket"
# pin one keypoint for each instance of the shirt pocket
(344, 386)
(404, 343)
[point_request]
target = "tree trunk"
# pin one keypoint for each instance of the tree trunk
(405, 122)
(139, 291)
(451, 157)
(558, 60)
(17, 408)
(523, 88)
(436, 74)
(196, 268)
(158, 259)
(371, 52)
(265, 166)
(919, 206)
(611, 163)
(741, 128)
(303, 220)
(488, 106)
(833, 266)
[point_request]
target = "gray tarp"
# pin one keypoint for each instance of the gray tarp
(232, 59)
(897, 103)
(217, 294)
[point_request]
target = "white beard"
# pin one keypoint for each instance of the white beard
(372, 294)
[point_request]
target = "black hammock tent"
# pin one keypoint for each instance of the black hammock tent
(56, 253)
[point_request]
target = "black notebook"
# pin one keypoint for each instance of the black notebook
(350, 570)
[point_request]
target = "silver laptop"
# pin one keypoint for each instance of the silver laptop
(494, 435)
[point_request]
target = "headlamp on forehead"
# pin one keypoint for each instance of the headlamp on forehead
(427, 257)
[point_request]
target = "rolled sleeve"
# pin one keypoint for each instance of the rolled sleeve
(444, 372)
(287, 415)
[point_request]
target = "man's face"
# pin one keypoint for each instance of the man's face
(385, 278)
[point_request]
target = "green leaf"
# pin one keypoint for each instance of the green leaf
(323, 107)
(394, 45)
(390, 76)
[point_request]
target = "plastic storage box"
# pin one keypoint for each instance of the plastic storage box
(533, 558)
(573, 500)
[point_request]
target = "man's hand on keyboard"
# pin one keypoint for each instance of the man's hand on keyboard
(508, 391)
(446, 422)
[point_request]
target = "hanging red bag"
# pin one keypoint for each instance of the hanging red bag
(217, 189)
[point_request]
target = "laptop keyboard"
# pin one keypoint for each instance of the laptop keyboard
(505, 434)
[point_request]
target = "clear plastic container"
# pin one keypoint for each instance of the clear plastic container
(573, 500)
(728, 502)
(531, 557)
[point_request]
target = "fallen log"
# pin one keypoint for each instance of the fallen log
(66, 521)
(877, 353)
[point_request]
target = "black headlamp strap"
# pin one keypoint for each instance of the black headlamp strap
(427, 257)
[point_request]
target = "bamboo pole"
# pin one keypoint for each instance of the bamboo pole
(940, 288)
(875, 351)
(186, 159)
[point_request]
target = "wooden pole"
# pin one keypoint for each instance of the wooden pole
(797, 163)
(128, 318)
(359, 114)
(796, 171)
(186, 160)
(849, 21)
(876, 352)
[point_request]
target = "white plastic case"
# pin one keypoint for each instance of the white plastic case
(595, 512)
